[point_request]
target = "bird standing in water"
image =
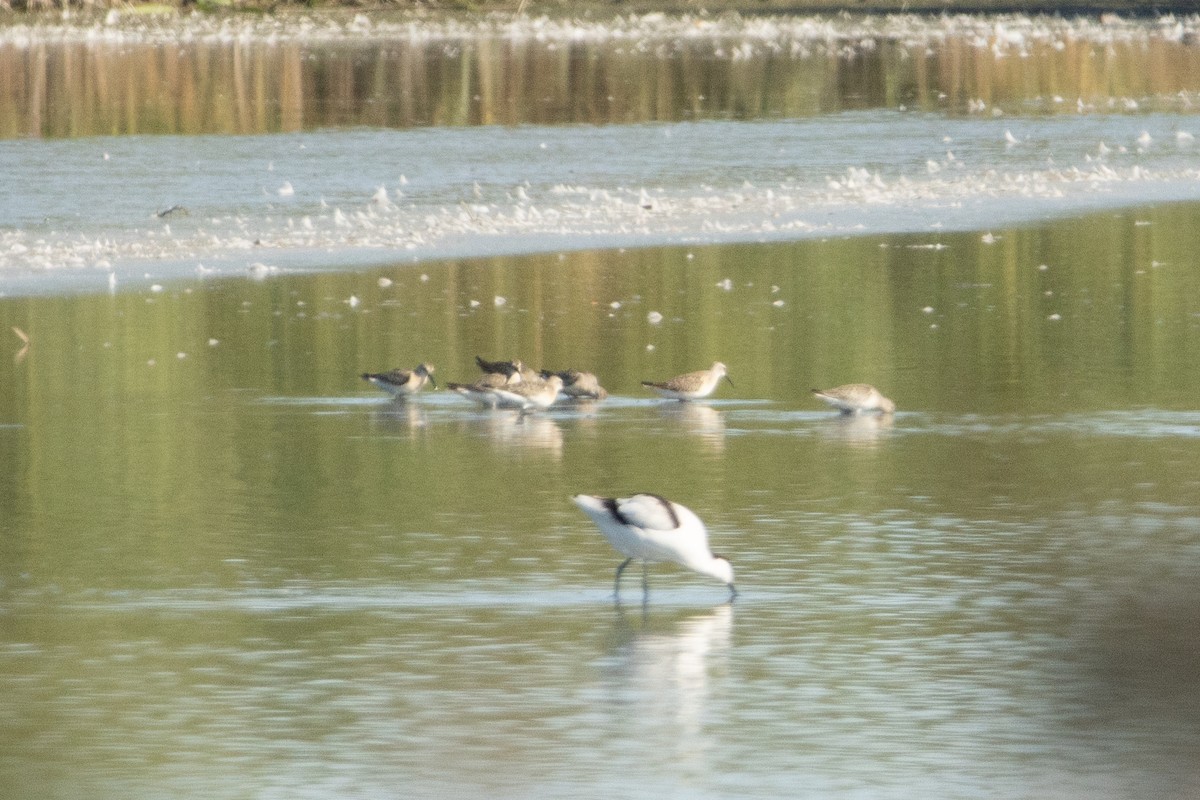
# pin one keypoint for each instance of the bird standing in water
(402, 382)
(526, 395)
(578, 385)
(856, 398)
(652, 528)
(691, 385)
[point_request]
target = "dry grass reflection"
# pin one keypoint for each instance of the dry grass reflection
(56, 84)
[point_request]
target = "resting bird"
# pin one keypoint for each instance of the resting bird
(652, 528)
(508, 369)
(526, 395)
(481, 390)
(578, 385)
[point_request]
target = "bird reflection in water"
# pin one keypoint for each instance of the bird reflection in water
(516, 430)
(860, 430)
(698, 418)
(399, 415)
(662, 664)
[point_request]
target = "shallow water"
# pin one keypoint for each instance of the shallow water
(231, 568)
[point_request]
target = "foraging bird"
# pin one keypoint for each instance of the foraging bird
(481, 390)
(578, 385)
(652, 528)
(526, 395)
(691, 385)
(856, 398)
(402, 382)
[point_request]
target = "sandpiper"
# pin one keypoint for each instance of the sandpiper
(481, 390)
(691, 385)
(856, 398)
(402, 382)
(579, 385)
(507, 368)
(652, 528)
(526, 395)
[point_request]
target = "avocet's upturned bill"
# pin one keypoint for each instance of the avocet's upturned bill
(648, 527)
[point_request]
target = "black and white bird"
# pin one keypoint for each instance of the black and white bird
(648, 527)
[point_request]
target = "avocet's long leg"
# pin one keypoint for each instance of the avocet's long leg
(617, 582)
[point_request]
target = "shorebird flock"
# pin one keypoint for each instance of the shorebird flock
(644, 527)
(511, 384)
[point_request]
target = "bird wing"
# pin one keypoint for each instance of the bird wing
(508, 394)
(834, 397)
(686, 382)
(492, 380)
(492, 367)
(383, 377)
(647, 511)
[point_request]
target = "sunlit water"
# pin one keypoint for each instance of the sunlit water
(231, 568)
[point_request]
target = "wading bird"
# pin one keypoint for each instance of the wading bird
(652, 528)
(402, 382)
(691, 385)
(856, 398)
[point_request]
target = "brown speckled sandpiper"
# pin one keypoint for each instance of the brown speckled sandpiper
(402, 382)
(579, 385)
(856, 398)
(481, 390)
(526, 395)
(691, 385)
